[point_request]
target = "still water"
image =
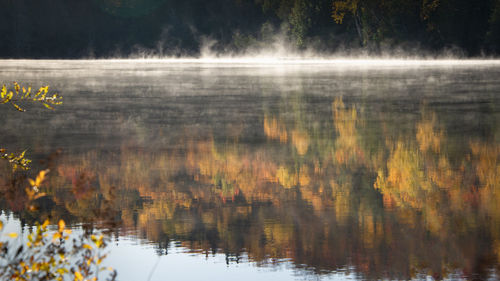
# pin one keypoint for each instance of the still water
(233, 170)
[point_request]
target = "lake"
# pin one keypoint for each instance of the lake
(268, 170)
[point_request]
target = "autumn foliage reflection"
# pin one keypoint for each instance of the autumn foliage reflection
(393, 202)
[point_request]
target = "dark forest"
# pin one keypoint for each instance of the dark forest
(121, 28)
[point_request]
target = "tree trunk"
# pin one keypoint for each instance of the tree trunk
(357, 21)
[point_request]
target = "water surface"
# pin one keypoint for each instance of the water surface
(220, 170)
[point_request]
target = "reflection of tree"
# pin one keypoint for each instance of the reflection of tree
(347, 143)
(275, 129)
(323, 194)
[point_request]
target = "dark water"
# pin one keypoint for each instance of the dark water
(206, 171)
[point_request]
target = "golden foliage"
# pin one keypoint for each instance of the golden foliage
(275, 130)
(25, 95)
(341, 7)
(17, 161)
(406, 180)
(488, 166)
(347, 146)
(326, 191)
(300, 140)
(16, 96)
(427, 136)
(428, 7)
(46, 256)
(285, 178)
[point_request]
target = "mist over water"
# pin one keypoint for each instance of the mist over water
(278, 45)
(272, 168)
(286, 51)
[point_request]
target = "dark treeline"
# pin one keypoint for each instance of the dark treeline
(119, 28)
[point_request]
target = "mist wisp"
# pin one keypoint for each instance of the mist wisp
(278, 48)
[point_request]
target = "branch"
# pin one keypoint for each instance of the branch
(22, 94)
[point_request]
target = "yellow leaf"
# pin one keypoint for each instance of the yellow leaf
(43, 173)
(13, 235)
(48, 106)
(99, 242)
(18, 107)
(39, 195)
(61, 225)
(78, 276)
(28, 93)
(40, 177)
(87, 246)
(4, 91)
(56, 236)
(1, 225)
(45, 223)
(8, 97)
(32, 182)
(62, 270)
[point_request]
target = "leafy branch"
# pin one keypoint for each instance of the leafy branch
(14, 97)
(20, 94)
(45, 254)
(17, 161)
(51, 255)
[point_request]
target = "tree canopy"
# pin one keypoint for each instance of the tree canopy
(119, 28)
